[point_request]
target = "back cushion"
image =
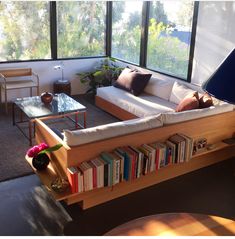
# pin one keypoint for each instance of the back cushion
(179, 92)
(132, 81)
(190, 102)
(160, 88)
(205, 101)
(101, 132)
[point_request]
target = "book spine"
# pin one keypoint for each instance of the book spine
(71, 179)
(106, 175)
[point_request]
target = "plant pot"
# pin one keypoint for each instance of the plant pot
(41, 161)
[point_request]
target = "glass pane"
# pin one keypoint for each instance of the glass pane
(81, 28)
(24, 30)
(169, 37)
(126, 30)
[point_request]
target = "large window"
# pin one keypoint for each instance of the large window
(170, 24)
(126, 30)
(81, 28)
(24, 30)
(78, 29)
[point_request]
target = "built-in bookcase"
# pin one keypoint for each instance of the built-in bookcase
(213, 128)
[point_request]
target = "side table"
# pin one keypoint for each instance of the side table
(62, 87)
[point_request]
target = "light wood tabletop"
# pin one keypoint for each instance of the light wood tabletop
(176, 224)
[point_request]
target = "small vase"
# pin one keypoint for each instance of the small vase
(46, 97)
(41, 161)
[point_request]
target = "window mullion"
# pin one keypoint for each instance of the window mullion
(193, 39)
(144, 33)
(53, 30)
(108, 39)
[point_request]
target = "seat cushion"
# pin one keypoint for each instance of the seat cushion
(141, 106)
(78, 137)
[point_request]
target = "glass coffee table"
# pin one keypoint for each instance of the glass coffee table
(33, 108)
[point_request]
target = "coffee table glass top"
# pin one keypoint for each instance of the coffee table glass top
(33, 107)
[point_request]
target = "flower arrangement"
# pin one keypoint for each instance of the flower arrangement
(41, 148)
(40, 159)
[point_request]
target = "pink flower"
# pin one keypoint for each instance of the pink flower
(43, 146)
(32, 152)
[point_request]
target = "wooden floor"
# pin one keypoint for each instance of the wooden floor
(176, 224)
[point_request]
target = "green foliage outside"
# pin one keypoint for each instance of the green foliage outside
(24, 30)
(81, 28)
(25, 33)
(165, 53)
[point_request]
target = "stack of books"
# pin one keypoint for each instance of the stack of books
(128, 163)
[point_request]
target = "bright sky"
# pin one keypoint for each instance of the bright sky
(171, 7)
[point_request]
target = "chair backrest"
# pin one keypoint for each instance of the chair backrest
(16, 72)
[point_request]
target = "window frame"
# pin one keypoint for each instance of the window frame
(144, 42)
(108, 39)
(53, 38)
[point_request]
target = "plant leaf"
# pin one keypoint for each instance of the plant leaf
(51, 149)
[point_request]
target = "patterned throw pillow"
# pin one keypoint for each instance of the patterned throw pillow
(205, 101)
(190, 102)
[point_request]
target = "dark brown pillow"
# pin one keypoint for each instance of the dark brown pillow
(190, 102)
(132, 81)
(205, 101)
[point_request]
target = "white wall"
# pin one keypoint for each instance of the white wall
(47, 74)
(215, 37)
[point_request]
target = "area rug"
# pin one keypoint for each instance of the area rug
(13, 144)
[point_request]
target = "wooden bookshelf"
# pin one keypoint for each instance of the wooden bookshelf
(213, 128)
(165, 173)
(47, 176)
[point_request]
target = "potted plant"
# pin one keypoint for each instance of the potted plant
(103, 75)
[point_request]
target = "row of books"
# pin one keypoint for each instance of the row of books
(128, 163)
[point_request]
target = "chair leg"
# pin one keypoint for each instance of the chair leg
(38, 90)
(0, 94)
(31, 91)
(6, 101)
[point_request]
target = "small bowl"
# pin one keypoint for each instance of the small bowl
(46, 97)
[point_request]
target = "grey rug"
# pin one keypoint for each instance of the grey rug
(13, 144)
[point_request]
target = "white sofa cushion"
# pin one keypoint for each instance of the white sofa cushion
(140, 106)
(179, 92)
(160, 88)
(176, 117)
(83, 136)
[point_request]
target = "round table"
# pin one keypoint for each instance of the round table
(178, 224)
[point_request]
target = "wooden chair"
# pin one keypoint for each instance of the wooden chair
(20, 78)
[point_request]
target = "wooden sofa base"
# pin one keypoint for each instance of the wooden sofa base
(214, 128)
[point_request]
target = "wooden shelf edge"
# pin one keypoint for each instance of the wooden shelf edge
(47, 176)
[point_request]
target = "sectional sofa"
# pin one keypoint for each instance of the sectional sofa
(146, 118)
